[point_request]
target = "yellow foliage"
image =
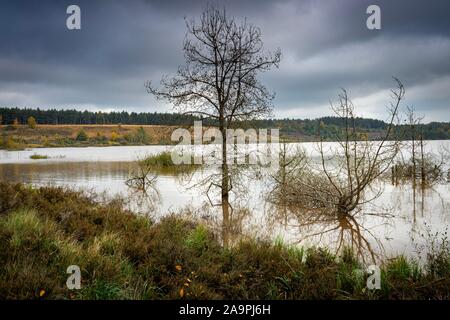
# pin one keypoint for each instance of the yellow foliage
(114, 136)
(31, 121)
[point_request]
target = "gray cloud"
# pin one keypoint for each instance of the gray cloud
(325, 46)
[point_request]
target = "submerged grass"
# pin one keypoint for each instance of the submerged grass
(164, 160)
(125, 256)
(38, 156)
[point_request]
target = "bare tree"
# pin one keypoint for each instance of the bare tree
(359, 161)
(333, 189)
(421, 164)
(142, 185)
(414, 123)
(292, 162)
(219, 79)
(142, 176)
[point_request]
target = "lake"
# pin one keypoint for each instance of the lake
(399, 221)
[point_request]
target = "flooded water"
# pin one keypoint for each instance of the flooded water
(399, 221)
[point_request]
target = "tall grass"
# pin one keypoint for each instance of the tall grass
(163, 159)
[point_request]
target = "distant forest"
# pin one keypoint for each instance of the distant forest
(54, 116)
(288, 127)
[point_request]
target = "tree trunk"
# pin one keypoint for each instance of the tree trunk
(225, 191)
(422, 162)
(413, 160)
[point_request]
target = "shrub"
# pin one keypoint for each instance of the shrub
(141, 136)
(138, 136)
(101, 137)
(31, 121)
(9, 143)
(82, 136)
(114, 136)
(15, 123)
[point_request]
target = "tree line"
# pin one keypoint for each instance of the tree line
(330, 125)
(76, 117)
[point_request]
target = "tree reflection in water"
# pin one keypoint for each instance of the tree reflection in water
(337, 232)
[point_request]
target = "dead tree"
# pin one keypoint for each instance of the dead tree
(413, 123)
(142, 176)
(333, 189)
(422, 165)
(292, 162)
(219, 79)
(142, 185)
(358, 161)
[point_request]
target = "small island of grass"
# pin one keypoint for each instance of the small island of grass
(38, 156)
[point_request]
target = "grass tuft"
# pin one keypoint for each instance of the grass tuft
(38, 156)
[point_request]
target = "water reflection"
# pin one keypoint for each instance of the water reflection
(392, 225)
(109, 178)
(335, 231)
(64, 172)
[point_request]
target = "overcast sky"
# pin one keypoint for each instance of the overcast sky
(325, 45)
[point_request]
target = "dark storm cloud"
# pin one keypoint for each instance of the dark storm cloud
(325, 46)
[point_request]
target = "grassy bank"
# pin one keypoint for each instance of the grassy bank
(21, 136)
(124, 256)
